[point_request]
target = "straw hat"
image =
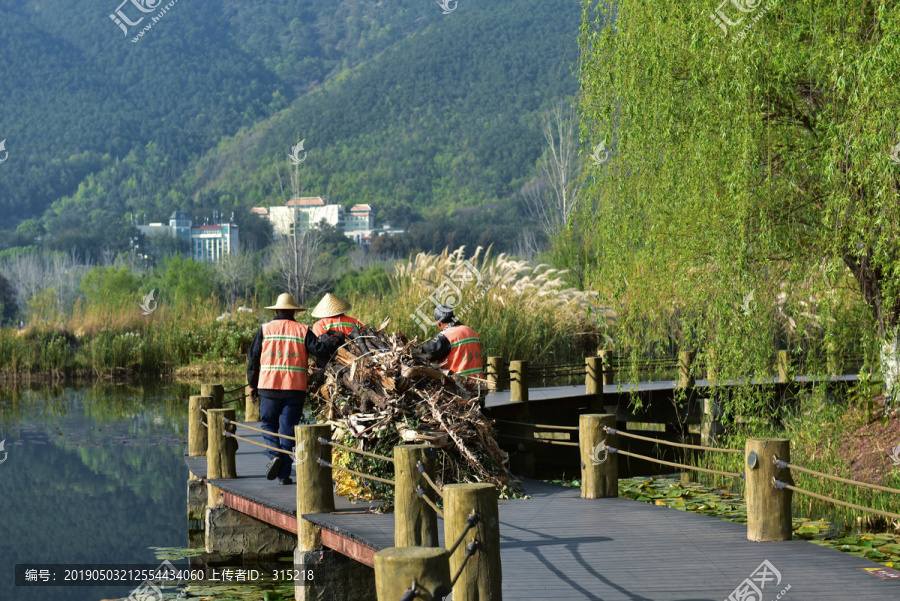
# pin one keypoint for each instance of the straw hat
(286, 301)
(329, 306)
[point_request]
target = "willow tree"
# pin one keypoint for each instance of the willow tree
(750, 198)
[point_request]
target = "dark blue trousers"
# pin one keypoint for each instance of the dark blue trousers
(281, 415)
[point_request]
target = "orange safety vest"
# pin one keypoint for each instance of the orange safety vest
(284, 362)
(465, 351)
(341, 323)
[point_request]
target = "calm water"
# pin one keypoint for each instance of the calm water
(91, 475)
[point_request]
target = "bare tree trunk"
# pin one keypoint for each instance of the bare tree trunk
(295, 262)
(552, 200)
(233, 272)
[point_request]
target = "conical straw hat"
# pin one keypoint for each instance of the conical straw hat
(286, 301)
(330, 305)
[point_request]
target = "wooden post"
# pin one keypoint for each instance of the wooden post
(315, 492)
(685, 378)
(251, 406)
(768, 508)
(220, 450)
(216, 391)
(599, 468)
(784, 367)
(496, 377)
(415, 523)
(398, 568)
(481, 579)
(833, 359)
(593, 380)
(609, 375)
(518, 381)
(712, 371)
(712, 427)
(197, 433)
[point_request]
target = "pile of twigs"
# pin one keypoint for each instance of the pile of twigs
(379, 390)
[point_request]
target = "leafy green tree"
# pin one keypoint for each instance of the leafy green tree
(183, 279)
(109, 286)
(374, 281)
(30, 229)
(750, 179)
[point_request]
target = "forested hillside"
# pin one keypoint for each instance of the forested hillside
(413, 111)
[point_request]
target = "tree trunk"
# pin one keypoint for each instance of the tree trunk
(890, 370)
(887, 316)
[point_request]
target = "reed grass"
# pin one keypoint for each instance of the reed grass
(520, 310)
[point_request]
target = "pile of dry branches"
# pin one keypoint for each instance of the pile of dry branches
(379, 390)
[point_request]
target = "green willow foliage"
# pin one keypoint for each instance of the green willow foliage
(749, 202)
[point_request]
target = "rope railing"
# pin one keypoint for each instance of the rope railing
(235, 399)
(421, 467)
(424, 497)
(782, 485)
(323, 463)
(255, 429)
(784, 464)
(471, 522)
(228, 434)
(546, 440)
(332, 443)
(666, 442)
(411, 593)
(471, 548)
(241, 387)
(672, 464)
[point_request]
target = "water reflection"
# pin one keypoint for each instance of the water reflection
(92, 475)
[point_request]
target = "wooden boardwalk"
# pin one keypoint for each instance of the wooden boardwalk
(556, 546)
(501, 397)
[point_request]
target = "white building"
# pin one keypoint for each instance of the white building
(208, 242)
(212, 242)
(301, 214)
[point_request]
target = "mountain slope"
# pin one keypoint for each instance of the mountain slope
(200, 113)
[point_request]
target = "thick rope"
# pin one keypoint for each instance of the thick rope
(785, 464)
(421, 467)
(255, 429)
(411, 593)
(547, 440)
(234, 400)
(470, 551)
(666, 442)
(781, 485)
(352, 450)
(241, 387)
(431, 504)
(355, 473)
(259, 444)
(471, 522)
(681, 465)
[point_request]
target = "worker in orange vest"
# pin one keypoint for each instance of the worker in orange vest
(457, 348)
(277, 371)
(331, 310)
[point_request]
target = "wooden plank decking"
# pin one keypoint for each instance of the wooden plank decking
(501, 397)
(558, 547)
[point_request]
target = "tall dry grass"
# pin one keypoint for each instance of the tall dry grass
(520, 310)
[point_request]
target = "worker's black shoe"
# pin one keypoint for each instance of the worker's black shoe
(285, 481)
(273, 468)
